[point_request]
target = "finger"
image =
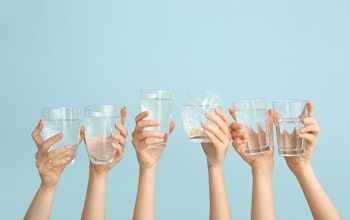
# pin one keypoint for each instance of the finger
(214, 132)
(171, 127)
(307, 136)
(310, 109)
(239, 135)
(149, 134)
(121, 128)
(51, 141)
(60, 162)
(120, 139)
(59, 152)
(232, 112)
(212, 137)
(236, 126)
(141, 116)
(123, 115)
(223, 116)
(270, 116)
(309, 121)
(152, 140)
(238, 145)
(142, 124)
(119, 151)
(223, 126)
(36, 133)
(313, 128)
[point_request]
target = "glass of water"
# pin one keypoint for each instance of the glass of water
(65, 120)
(99, 122)
(252, 114)
(196, 104)
(288, 115)
(159, 104)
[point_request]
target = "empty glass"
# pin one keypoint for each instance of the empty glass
(159, 104)
(288, 115)
(65, 120)
(253, 115)
(196, 104)
(99, 125)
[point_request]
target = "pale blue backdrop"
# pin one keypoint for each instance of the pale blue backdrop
(83, 52)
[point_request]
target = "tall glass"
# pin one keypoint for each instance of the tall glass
(288, 115)
(159, 104)
(65, 120)
(99, 125)
(196, 104)
(253, 115)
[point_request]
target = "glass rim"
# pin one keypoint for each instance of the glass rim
(157, 94)
(60, 107)
(252, 103)
(286, 101)
(114, 107)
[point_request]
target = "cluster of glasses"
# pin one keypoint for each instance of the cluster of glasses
(99, 123)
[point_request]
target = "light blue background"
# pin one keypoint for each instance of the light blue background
(83, 52)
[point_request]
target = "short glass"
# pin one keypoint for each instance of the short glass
(194, 108)
(66, 120)
(99, 123)
(288, 115)
(159, 104)
(252, 114)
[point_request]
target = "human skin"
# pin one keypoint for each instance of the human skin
(148, 161)
(215, 151)
(95, 201)
(262, 171)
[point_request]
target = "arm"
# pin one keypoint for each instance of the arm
(148, 160)
(95, 201)
(262, 171)
(216, 151)
(320, 204)
(50, 165)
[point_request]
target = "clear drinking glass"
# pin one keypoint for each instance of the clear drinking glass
(159, 104)
(288, 115)
(99, 125)
(65, 120)
(253, 115)
(196, 104)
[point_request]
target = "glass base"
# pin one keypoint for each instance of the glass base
(260, 150)
(200, 139)
(161, 145)
(291, 153)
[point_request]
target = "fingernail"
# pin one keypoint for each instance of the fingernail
(68, 158)
(60, 134)
(68, 147)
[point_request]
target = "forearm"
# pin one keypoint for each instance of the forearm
(262, 196)
(219, 205)
(40, 208)
(144, 205)
(319, 203)
(95, 201)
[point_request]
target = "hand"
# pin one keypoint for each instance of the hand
(119, 146)
(309, 133)
(50, 164)
(239, 138)
(219, 136)
(147, 157)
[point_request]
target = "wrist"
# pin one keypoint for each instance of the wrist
(301, 169)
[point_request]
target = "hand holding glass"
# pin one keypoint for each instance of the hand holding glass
(194, 108)
(67, 121)
(99, 125)
(288, 115)
(159, 104)
(253, 115)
